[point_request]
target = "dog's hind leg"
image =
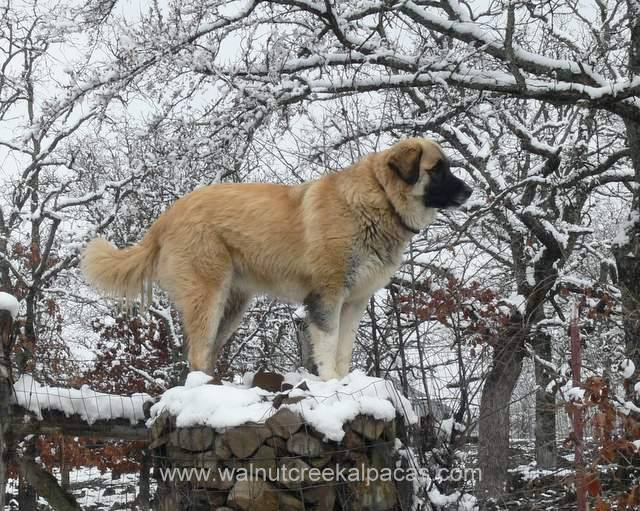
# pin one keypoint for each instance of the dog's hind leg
(202, 314)
(201, 297)
(235, 306)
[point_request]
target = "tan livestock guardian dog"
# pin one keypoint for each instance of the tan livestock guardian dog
(329, 244)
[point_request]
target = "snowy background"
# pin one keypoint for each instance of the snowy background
(112, 109)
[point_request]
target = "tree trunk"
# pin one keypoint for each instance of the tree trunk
(6, 323)
(493, 442)
(545, 426)
(374, 354)
(403, 371)
(627, 252)
(144, 494)
(65, 469)
(28, 341)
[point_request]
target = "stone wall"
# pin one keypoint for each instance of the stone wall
(281, 464)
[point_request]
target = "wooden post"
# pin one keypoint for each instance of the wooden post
(6, 387)
(144, 494)
(577, 415)
(65, 469)
(27, 495)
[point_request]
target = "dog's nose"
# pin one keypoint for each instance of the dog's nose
(463, 194)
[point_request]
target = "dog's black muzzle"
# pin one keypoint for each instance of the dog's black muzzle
(446, 191)
(461, 196)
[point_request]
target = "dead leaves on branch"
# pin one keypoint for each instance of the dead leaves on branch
(616, 435)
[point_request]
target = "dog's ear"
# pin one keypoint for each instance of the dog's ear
(404, 160)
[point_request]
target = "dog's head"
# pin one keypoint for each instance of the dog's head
(421, 166)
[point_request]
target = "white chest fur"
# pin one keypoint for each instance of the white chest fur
(371, 275)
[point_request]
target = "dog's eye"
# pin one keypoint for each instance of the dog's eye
(438, 168)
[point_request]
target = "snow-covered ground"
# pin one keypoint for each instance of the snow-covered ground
(94, 491)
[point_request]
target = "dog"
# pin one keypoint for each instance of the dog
(329, 244)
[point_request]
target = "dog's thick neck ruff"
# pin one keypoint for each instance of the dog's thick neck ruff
(400, 219)
(394, 211)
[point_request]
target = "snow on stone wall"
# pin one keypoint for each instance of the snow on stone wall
(325, 406)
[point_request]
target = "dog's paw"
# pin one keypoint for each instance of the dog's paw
(327, 373)
(342, 368)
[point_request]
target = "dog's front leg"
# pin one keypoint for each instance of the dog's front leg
(323, 316)
(349, 319)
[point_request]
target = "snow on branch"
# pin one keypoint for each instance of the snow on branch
(472, 32)
(90, 405)
(292, 91)
(516, 71)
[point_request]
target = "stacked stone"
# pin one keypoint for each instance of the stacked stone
(268, 462)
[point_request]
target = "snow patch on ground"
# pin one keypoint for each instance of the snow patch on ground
(466, 502)
(95, 490)
(531, 472)
(447, 426)
(90, 405)
(326, 406)
(440, 500)
(9, 303)
(517, 301)
(626, 227)
(575, 395)
(627, 407)
(627, 368)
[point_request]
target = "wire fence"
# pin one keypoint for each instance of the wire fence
(91, 447)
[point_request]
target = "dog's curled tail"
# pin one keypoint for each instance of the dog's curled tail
(121, 273)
